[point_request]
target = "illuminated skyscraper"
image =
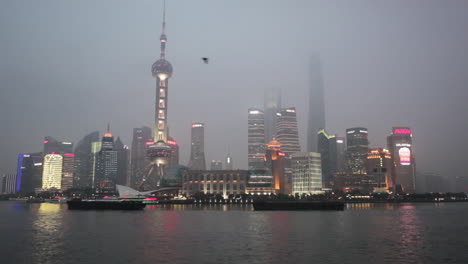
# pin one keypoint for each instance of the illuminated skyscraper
(229, 161)
(403, 167)
(356, 151)
(29, 172)
(174, 160)
(139, 160)
(122, 162)
(52, 172)
(327, 147)
(286, 131)
(68, 170)
(197, 150)
(106, 166)
(256, 138)
(83, 161)
(379, 162)
(274, 161)
(316, 119)
(159, 153)
(272, 105)
(51, 145)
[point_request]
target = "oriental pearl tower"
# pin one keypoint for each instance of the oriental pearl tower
(159, 152)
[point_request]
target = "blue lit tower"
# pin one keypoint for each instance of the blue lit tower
(159, 153)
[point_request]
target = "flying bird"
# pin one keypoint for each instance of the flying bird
(205, 60)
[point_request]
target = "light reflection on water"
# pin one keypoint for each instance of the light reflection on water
(363, 233)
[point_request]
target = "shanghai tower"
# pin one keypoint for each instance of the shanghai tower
(316, 120)
(159, 152)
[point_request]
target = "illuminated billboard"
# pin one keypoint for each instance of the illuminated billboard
(402, 131)
(405, 156)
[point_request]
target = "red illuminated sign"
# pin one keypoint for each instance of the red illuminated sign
(171, 142)
(281, 154)
(402, 131)
(150, 143)
(46, 141)
(405, 156)
(69, 154)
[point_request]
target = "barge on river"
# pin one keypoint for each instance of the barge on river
(105, 204)
(264, 205)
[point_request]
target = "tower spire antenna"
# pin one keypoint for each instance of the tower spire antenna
(163, 38)
(164, 18)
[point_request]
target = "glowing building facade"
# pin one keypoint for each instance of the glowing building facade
(52, 171)
(139, 162)
(275, 161)
(403, 168)
(306, 173)
(379, 162)
(83, 161)
(29, 172)
(256, 138)
(68, 170)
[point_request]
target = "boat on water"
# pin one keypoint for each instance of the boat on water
(105, 204)
(264, 205)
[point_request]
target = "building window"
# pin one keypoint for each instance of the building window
(161, 103)
(161, 114)
(162, 92)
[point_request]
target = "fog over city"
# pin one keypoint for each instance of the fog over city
(68, 68)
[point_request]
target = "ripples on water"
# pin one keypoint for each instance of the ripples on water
(363, 233)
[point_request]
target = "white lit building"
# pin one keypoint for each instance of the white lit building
(52, 172)
(306, 173)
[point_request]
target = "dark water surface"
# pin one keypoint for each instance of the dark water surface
(363, 233)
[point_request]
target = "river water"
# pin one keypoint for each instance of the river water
(363, 233)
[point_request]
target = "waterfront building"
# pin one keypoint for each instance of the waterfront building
(197, 150)
(139, 161)
(52, 172)
(306, 173)
(379, 161)
(95, 149)
(356, 151)
(328, 148)
(68, 170)
(122, 162)
(216, 165)
(29, 172)
(272, 105)
(340, 154)
(275, 162)
(286, 131)
(316, 118)
(82, 177)
(159, 152)
(174, 159)
(256, 137)
(403, 169)
(223, 182)
(106, 166)
(260, 181)
(9, 183)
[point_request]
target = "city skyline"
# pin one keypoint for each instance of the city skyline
(402, 99)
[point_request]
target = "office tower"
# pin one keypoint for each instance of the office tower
(9, 183)
(256, 138)
(274, 160)
(106, 166)
(379, 161)
(403, 167)
(29, 172)
(340, 154)
(197, 150)
(84, 161)
(122, 162)
(306, 173)
(159, 153)
(272, 105)
(357, 148)
(228, 161)
(286, 131)
(316, 120)
(51, 145)
(139, 162)
(328, 148)
(52, 172)
(216, 165)
(68, 170)
(95, 149)
(174, 159)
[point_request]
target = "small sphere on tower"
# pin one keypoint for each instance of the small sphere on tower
(162, 69)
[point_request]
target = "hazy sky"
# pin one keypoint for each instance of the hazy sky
(68, 68)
